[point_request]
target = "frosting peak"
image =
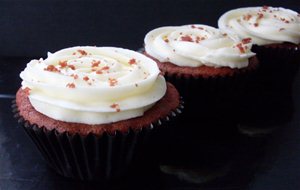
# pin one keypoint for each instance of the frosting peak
(265, 25)
(93, 85)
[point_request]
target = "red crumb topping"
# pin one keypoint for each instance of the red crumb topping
(116, 106)
(246, 40)
(52, 68)
(241, 48)
(187, 38)
(260, 15)
(70, 85)
(63, 64)
(247, 17)
(86, 78)
(112, 81)
(82, 52)
(265, 7)
(100, 71)
(71, 67)
(74, 76)
(132, 61)
(95, 63)
(256, 24)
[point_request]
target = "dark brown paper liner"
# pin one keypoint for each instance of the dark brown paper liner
(268, 99)
(277, 53)
(211, 98)
(91, 157)
(278, 64)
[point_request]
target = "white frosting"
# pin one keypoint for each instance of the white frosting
(265, 25)
(196, 45)
(93, 85)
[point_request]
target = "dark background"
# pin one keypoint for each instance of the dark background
(223, 156)
(31, 27)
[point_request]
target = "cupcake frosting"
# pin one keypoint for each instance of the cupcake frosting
(264, 25)
(197, 45)
(93, 85)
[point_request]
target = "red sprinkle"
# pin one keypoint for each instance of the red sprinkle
(63, 64)
(86, 78)
(187, 38)
(247, 17)
(112, 81)
(132, 61)
(116, 106)
(71, 67)
(105, 68)
(52, 68)
(241, 48)
(82, 52)
(265, 7)
(70, 85)
(99, 72)
(95, 63)
(260, 15)
(246, 40)
(256, 24)
(74, 76)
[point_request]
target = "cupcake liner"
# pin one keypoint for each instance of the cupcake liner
(213, 97)
(91, 157)
(268, 99)
(278, 65)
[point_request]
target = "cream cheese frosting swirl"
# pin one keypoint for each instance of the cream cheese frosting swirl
(264, 25)
(93, 85)
(197, 45)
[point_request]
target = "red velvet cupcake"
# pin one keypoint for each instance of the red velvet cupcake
(89, 109)
(202, 62)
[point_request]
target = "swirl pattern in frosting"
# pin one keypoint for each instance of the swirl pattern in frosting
(197, 45)
(93, 85)
(264, 25)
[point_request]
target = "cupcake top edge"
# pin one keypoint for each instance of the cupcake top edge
(195, 45)
(93, 85)
(264, 25)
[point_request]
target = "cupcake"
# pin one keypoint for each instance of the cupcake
(275, 33)
(201, 60)
(89, 109)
